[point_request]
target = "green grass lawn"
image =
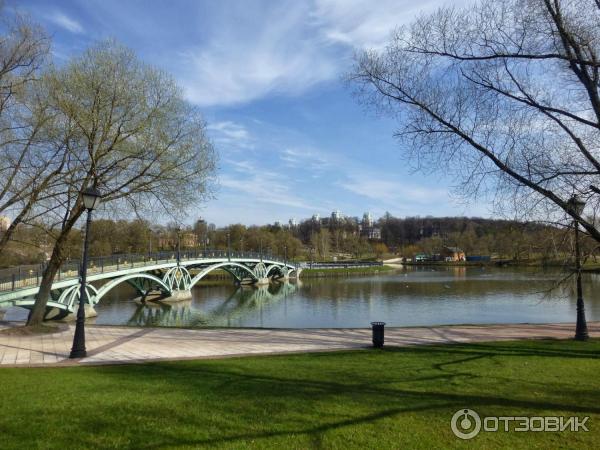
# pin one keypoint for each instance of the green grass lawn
(391, 398)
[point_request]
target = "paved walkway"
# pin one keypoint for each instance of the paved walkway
(108, 344)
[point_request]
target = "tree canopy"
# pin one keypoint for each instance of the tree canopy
(123, 127)
(505, 95)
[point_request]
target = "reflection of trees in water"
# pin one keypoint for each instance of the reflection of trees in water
(232, 307)
(242, 301)
(427, 283)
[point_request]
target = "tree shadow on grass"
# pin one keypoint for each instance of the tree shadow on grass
(232, 388)
(322, 397)
(510, 348)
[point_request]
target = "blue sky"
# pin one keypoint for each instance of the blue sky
(292, 139)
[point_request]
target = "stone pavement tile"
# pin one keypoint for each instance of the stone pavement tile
(23, 357)
(9, 357)
(37, 358)
(50, 358)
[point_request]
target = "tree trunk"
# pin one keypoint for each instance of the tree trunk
(39, 308)
(7, 235)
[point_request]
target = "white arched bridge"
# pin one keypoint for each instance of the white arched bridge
(167, 274)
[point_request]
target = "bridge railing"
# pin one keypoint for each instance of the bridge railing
(30, 276)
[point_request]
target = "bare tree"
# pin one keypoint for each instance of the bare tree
(503, 93)
(129, 132)
(26, 167)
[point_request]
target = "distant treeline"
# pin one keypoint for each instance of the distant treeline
(313, 241)
(480, 236)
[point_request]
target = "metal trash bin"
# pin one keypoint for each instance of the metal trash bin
(378, 332)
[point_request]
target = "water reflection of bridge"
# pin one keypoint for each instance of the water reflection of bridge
(186, 314)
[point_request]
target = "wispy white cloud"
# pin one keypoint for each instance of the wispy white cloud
(65, 22)
(366, 23)
(237, 55)
(287, 47)
(303, 158)
(392, 192)
(263, 190)
(262, 185)
(230, 129)
(269, 50)
(231, 134)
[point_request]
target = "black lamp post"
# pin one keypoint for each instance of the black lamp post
(285, 254)
(228, 246)
(178, 231)
(581, 332)
(260, 248)
(91, 200)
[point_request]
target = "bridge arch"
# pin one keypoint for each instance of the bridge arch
(227, 266)
(260, 270)
(142, 289)
(178, 278)
(71, 295)
(272, 268)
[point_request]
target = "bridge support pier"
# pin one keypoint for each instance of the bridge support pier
(262, 281)
(178, 296)
(72, 317)
(296, 274)
(90, 311)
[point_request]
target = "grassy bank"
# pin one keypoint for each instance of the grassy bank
(343, 271)
(591, 267)
(587, 267)
(394, 398)
(453, 263)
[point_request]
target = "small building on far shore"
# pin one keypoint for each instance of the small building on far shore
(451, 254)
(187, 240)
(421, 257)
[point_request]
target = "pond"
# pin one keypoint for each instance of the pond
(407, 297)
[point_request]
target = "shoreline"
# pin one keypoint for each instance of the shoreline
(345, 271)
(593, 268)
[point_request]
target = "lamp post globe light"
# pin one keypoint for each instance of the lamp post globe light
(581, 331)
(91, 200)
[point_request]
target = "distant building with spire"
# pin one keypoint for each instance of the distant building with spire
(368, 229)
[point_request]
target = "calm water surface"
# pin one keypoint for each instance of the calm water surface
(421, 296)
